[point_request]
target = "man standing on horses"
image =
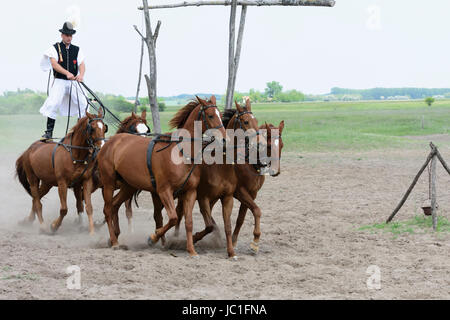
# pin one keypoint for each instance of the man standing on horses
(66, 95)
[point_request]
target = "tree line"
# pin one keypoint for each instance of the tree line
(384, 93)
(272, 93)
(27, 101)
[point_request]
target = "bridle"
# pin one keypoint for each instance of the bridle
(202, 115)
(89, 130)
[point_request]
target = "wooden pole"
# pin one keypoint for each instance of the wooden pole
(150, 40)
(433, 192)
(136, 101)
(430, 156)
(237, 55)
(444, 164)
(258, 3)
(231, 69)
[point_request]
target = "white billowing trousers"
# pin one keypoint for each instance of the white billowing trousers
(59, 97)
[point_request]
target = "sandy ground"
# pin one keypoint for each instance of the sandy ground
(310, 247)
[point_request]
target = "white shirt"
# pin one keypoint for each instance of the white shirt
(51, 52)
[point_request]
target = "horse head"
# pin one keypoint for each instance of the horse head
(275, 144)
(135, 124)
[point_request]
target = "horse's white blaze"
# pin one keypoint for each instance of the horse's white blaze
(276, 142)
(103, 143)
(141, 128)
(100, 125)
(253, 117)
(218, 115)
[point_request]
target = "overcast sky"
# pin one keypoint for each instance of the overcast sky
(356, 44)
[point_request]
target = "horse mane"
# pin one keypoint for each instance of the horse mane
(180, 118)
(227, 115)
(126, 122)
(78, 126)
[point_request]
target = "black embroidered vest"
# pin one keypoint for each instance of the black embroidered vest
(67, 58)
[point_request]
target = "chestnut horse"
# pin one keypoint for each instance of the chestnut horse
(130, 160)
(219, 181)
(250, 182)
(68, 163)
(133, 124)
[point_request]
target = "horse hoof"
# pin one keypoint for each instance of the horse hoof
(163, 241)
(233, 258)
(194, 256)
(254, 247)
(152, 240)
(109, 243)
(115, 247)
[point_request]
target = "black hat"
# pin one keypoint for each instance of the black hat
(67, 28)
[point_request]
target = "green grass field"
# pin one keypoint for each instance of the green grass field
(320, 126)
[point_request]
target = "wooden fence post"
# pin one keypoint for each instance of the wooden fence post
(433, 192)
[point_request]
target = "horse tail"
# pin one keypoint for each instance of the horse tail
(21, 174)
(135, 196)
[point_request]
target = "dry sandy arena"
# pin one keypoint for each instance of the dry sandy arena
(310, 247)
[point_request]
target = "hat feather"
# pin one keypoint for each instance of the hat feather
(74, 16)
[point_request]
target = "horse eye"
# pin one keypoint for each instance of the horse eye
(210, 117)
(245, 122)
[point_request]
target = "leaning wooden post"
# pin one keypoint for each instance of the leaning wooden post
(237, 55)
(444, 164)
(136, 101)
(433, 191)
(430, 156)
(231, 69)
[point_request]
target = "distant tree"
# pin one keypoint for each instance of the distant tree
(273, 88)
(429, 101)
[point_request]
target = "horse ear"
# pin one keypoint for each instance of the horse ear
(248, 104)
(281, 126)
(133, 115)
(213, 99)
(89, 115)
(100, 113)
(201, 101)
(238, 106)
(144, 114)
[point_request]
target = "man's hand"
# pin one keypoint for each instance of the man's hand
(79, 78)
(70, 76)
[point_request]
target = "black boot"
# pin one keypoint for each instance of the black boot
(49, 132)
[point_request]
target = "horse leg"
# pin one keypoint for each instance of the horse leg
(129, 213)
(87, 192)
(157, 215)
(79, 198)
(227, 208)
(179, 210)
(43, 190)
(188, 205)
(205, 210)
(168, 203)
(62, 191)
(108, 192)
(125, 193)
(248, 200)
(239, 221)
